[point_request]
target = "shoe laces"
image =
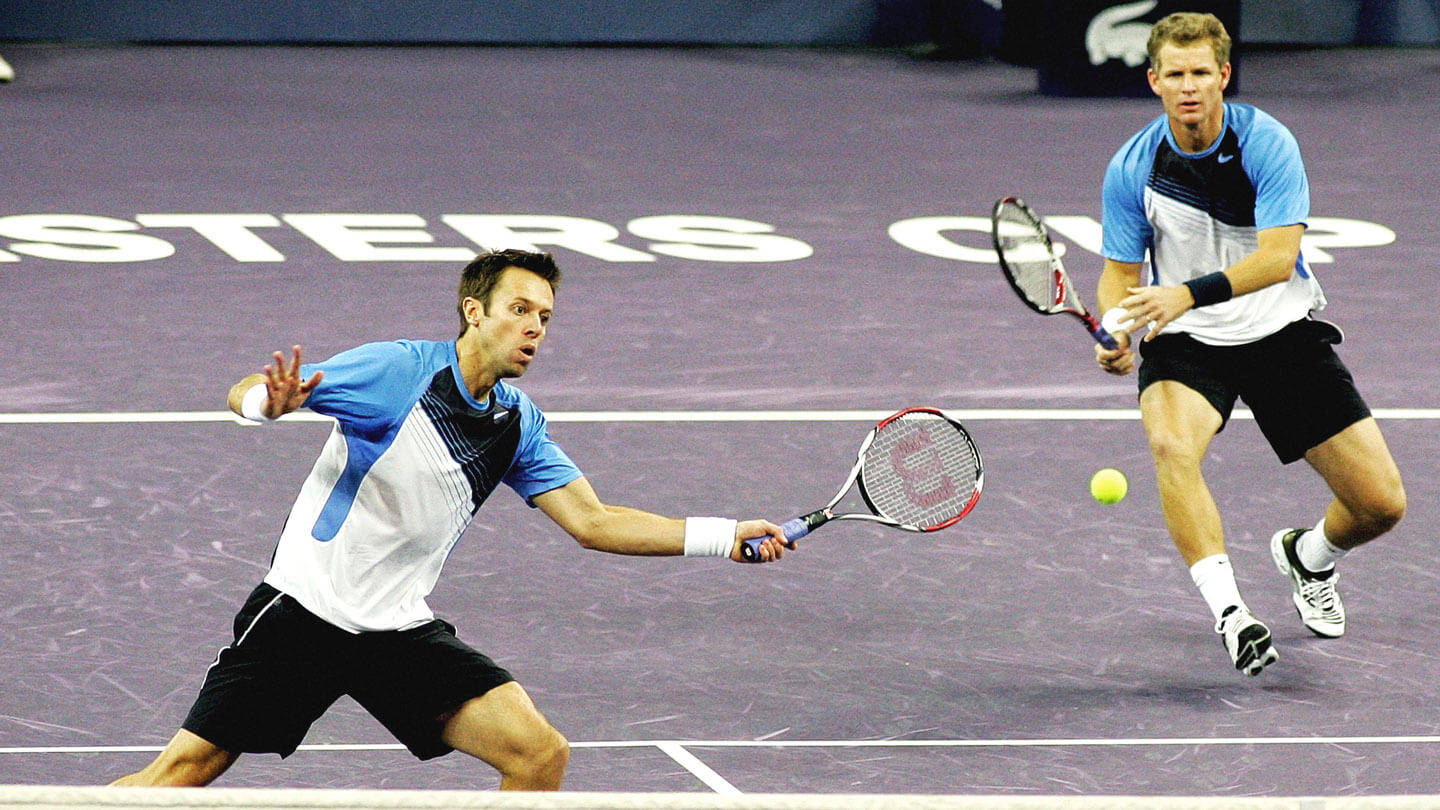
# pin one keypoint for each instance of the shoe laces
(1320, 593)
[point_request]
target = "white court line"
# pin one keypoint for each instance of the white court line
(691, 763)
(1093, 742)
(962, 414)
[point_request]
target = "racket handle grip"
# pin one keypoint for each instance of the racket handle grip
(1103, 337)
(794, 530)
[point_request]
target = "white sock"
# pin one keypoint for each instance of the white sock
(1216, 581)
(1315, 551)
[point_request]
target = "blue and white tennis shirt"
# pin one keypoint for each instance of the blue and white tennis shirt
(1191, 214)
(411, 458)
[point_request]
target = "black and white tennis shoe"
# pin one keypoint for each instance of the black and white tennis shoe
(1314, 594)
(1247, 639)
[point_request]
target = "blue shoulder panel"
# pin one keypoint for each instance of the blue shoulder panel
(1127, 233)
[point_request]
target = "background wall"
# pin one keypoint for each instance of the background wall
(516, 21)
(961, 25)
(1341, 22)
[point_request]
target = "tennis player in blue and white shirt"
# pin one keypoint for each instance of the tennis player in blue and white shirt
(424, 432)
(1204, 209)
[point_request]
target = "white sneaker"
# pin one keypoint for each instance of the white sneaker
(1314, 595)
(7, 73)
(1247, 639)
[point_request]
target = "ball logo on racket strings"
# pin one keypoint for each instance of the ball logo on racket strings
(914, 475)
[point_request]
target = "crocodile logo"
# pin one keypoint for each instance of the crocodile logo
(1112, 35)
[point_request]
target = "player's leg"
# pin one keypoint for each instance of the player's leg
(1180, 424)
(1369, 495)
(1306, 403)
(505, 729)
(187, 761)
(260, 694)
(436, 694)
(1369, 500)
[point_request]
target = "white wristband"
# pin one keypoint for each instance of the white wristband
(709, 536)
(1112, 323)
(252, 407)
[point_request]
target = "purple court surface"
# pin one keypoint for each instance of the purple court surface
(763, 249)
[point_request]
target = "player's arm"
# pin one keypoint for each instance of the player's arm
(276, 392)
(1272, 262)
(621, 530)
(1116, 280)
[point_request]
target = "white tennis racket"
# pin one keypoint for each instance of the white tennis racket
(1034, 269)
(917, 470)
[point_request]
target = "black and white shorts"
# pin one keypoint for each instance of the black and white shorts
(287, 666)
(1294, 383)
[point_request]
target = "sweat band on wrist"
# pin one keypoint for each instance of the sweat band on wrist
(709, 537)
(1210, 289)
(252, 407)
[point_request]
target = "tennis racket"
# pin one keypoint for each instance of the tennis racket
(917, 470)
(1032, 268)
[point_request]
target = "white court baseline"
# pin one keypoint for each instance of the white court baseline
(680, 751)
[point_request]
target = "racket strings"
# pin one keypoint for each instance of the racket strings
(920, 470)
(1027, 257)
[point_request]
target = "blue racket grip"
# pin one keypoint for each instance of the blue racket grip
(1103, 337)
(794, 530)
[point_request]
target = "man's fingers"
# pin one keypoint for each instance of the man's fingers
(309, 385)
(770, 547)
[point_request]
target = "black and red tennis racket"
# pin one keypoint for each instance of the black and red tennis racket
(917, 470)
(1033, 268)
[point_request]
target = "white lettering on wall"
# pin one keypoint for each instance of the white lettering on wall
(81, 238)
(356, 237)
(718, 239)
(407, 237)
(535, 232)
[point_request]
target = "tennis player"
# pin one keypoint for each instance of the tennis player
(1203, 213)
(425, 431)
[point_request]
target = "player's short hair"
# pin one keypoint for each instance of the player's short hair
(1187, 28)
(480, 275)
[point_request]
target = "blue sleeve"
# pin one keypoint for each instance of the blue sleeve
(1126, 233)
(1272, 160)
(540, 465)
(368, 388)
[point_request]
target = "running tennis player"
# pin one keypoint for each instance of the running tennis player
(425, 431)
(1210, 200)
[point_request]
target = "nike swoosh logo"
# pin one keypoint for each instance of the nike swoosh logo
(1225, 158)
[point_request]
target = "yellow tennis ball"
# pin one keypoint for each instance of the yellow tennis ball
(1109, 485)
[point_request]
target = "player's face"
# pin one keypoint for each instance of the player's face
(1190, 83)
(511, 332)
